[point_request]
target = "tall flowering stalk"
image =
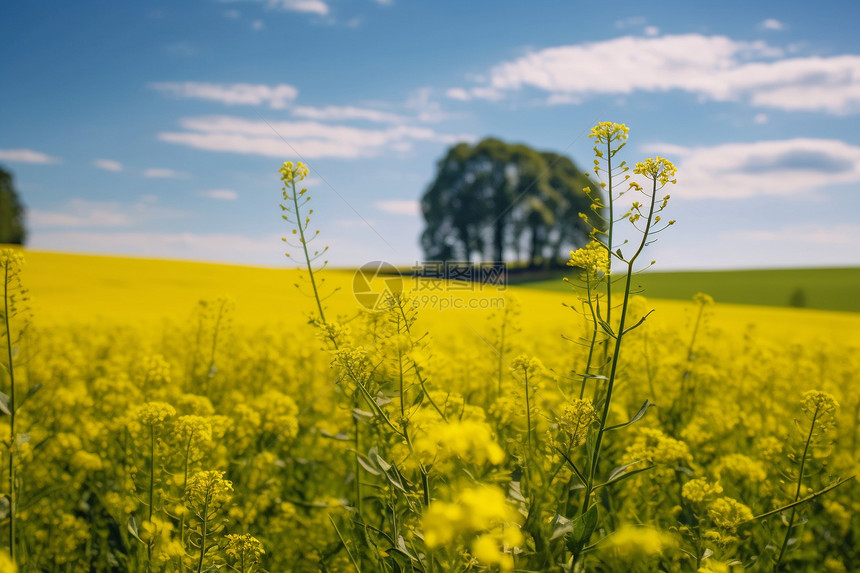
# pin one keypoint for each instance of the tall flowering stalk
(595, 260)
(820, 408)
(14, 301)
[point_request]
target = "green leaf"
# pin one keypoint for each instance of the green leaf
(341, 436)
(367, 465)
(132, 528)
(619, 474)
(360, 414)
(33, 389)
(583, 526)
(4, 404)
(560, 526)
(638, 416)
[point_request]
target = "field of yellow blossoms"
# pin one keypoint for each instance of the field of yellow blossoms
(163, 416)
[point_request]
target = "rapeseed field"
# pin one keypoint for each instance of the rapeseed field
(168, 416)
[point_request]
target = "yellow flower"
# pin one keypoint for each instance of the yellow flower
(654, 446)
(657, 169)
(631, 542)
(290, 174)
(699, 489)
(606, 131)
(727, 513)
(244, 548)
(154, 413)
(210, 487)
(822, 406)
(592, 259)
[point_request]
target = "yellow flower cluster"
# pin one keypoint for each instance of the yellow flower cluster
(654, 446)
(575, 419)
(657, 169)
(822, 406)
(155, 413)
(727, 513)
(700, 489)
(481, 514)
(606, 131)
(635, 542)
(736, 467)
(209, 486)
(244, 548)
(468, 440)
(592, 259)
(290, 174)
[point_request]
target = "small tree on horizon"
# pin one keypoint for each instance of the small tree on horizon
(497, 201)
(12, 230)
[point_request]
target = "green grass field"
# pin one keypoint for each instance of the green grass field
(823, 289)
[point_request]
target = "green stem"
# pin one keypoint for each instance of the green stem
(615, 355)
(357, 430)
(13, 501)
(204, 533)
(609, 232)
(305, 249)
(784, 547)
(151, 487)
(528, 414)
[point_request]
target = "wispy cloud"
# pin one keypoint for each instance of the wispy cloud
(108, 164)
(399, 207)
(160, 173)
(806, 234)
(712, 67)
(276, 97)
(772, 24)
(306, 6)
(194, 246)
(221, 194)
(81, 213)
(422, 103)
(309, 138)
(341, 113)
(26, 156)
(739, 170)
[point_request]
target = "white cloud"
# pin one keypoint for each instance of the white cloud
(277, 96)
(26, 156)
(712, 67)
(807, 234)
(399, 207)
(158, 173)
(222, 194)
(81, 213)
(215, 247)
(760, 118)
(772, 24)
(651, 30)
(232, 14)
(340, 113)
(108, 164)
(427, 109)
(310, 139)
(738, 170)
(458, 94)
(308, 6)
(257, 25)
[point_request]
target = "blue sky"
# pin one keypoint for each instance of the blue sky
(157, 129)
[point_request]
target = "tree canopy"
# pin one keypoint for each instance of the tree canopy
(496, 201)
(11, 212)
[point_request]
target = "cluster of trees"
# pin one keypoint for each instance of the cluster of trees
(12, 229)
(495, 201)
